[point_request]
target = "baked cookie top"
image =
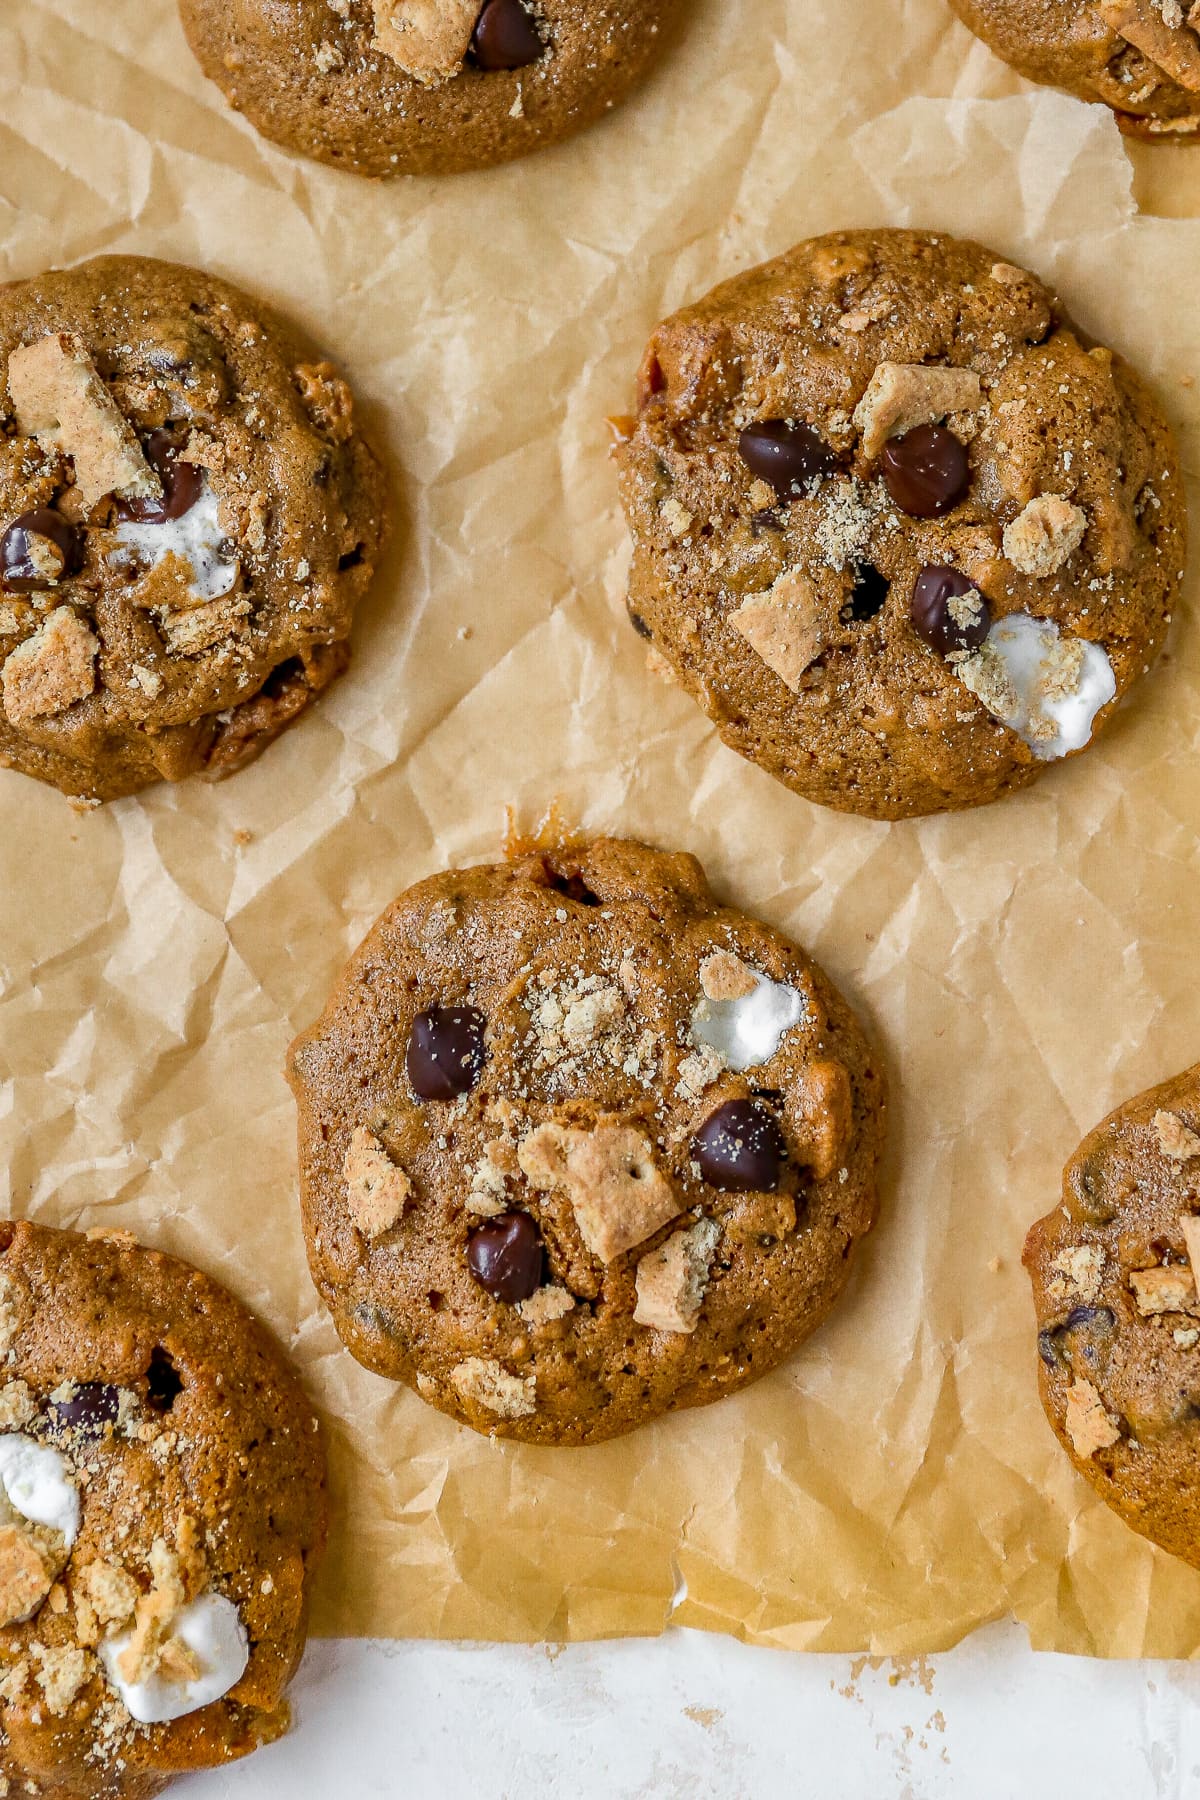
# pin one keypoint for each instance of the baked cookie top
(188, 518)
(402, 87)
(161, 1511)
(1141, 57)
(579, 1145)
(1114, 1272)
(903, 532)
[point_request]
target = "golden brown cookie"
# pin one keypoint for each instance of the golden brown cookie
(1114, 1284)
(188, 518)
(424, 87)
(580, 1146)
(162, 1509)
(904, 533)
(1141, 57)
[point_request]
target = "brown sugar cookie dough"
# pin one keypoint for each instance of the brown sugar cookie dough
(899, 528)
(424, 87)
(1114, 1272)
(188, 518)
(162, 1509)
(579, 1145)
(1141, 57)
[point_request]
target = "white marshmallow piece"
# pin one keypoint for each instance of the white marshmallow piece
(197, 538)
(34, 1477)
(1031, 652)
(213, 1632)
(748, 1031)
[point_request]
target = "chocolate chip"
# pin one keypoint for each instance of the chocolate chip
(505, 1257)
(926, 471)
(163, 1384)
(445, 1052)
(92, 1406)
(944, 627)
(787, 456)
(868, 595)
(505, 37)
(182, 484)
(639, 624)
(37, 550)
(740, 1148)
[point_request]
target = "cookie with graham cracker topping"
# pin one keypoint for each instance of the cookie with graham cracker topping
(579, 1145)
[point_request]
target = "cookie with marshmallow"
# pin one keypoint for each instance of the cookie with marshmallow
(579, 1145)
(162, 1511)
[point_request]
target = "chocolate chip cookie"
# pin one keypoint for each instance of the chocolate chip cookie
(1141, 57)
(424, 87)
(161, 1512)
(579, 1145)
(899, 527)
(1114, 1284)
(188, 518)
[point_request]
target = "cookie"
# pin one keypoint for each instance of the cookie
(580, 1146)
(1114, 1272)
(161, 1512)
(1141, 57)
(188, 518)
(899, 527)
(424, 87)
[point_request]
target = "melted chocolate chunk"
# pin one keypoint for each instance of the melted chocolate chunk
(946, 628)
(28, 565)
(445, 1052)
(926, 471)
(92, 1406)
(741, 1149)
(506, 37)
(505, 1256)
(784, 455)
(182, 484)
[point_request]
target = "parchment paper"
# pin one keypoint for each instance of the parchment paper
(1026, 967)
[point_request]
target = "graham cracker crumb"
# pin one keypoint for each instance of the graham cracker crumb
(105, 1594)
(724, 976)
(428, 39)
(1088, 1424)
(60, 400)
(26, 1574)
(1008, 274)
(51, 670)
(177, 1574)
(328, 400)
(1175, 1139)
(1080, 1271)
(902, 395)
(1044, 535)
(698, 1072)
(618, 1194)
(377, 1189)
(788, 626)
(60, 1673)
(672, 1280)
(676, 518)
(490, 1385)
(986, 675)
(548, 1303)
(17, 1406)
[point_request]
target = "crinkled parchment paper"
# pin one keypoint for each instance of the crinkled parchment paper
(1025, 967)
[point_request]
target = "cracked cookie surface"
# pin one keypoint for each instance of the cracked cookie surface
(403, 87)
(903, 532)
(188, 519)
(162, 1511)
(580, 1146)
(1114, 1273)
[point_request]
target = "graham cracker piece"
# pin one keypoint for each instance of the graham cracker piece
(1088, 1424)
(489, 1384)
(105, 1595)
(787, 626)
(619, 1196)
(177, 1573)
(1080, 1271)
(1007, 274)
(1175, 1139)
(1189, 1224)
(60, 400)
(1142, 23)
(186, 633)
(377, 1189)
(60, 1673)
(1165, 1290)
(327, 399)
(900, 396)
(428, 39)
(724, 976)
(673, 1280)
(27, 1574)
(549, 1303)
(52, 669)
(1044, 535)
